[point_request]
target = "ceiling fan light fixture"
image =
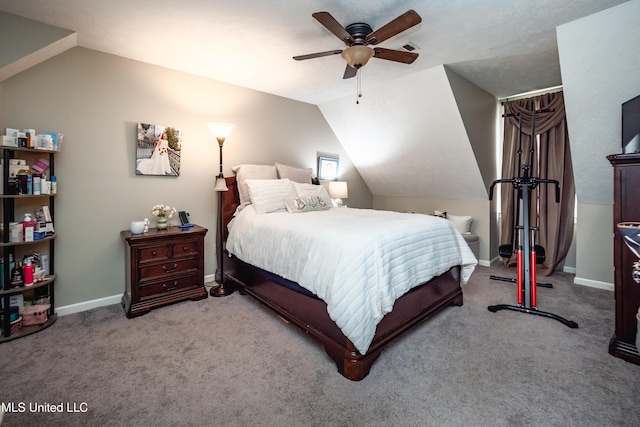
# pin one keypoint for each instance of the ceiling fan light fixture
(357, 56)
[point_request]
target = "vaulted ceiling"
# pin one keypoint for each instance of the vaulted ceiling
(492, 43)
(413, 116)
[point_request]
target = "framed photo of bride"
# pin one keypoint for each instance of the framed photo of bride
(158, 150)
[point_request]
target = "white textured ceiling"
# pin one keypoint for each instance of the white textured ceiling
(505, 47)
(493, 43)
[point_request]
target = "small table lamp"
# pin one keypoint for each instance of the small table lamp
(338, 190)
(220, 131)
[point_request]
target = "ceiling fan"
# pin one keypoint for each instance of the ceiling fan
(359, 36)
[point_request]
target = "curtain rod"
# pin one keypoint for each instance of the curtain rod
(543, 110)
(530, 93)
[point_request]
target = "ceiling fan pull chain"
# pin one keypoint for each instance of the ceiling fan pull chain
(359, 85)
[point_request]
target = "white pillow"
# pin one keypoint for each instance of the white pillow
(244, 172)
(267, 195)
(462, 223)
(294, 174)
(303, 190)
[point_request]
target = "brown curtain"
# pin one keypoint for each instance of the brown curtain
(555, 220)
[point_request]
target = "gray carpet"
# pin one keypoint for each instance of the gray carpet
(231, 362)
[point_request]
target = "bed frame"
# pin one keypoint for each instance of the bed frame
(310, 314)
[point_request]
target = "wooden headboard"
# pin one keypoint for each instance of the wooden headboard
(230, 201)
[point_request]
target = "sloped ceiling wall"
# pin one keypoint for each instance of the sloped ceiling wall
(408, 138)
(478, 110)
(403, 137)
(600, 66)
(17, 53)
(600, 63)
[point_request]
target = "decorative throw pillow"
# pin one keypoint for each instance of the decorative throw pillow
(303, 175)
(303, 190)
(462, 222)
(305, 204)
(440, 214)
(267, 195)
(244, 172)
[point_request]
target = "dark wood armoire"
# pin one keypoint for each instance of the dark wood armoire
(626, 208)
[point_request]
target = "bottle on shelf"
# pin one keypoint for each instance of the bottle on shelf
(36, 185)
(28, 225)
(28, 272)
(6, 286)
(15, 231)
(17, 276)
(45, 185)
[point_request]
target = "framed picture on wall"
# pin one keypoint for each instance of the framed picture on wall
(328, 168)
(158, 150)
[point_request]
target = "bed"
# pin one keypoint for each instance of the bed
(354, 345)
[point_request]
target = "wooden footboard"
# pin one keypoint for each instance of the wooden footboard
(310, 314)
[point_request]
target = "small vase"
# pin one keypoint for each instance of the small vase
(162, 222)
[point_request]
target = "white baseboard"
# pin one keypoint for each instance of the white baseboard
(571, 270)
(495, 261)
(88, 305)
(484, 263)
(101, 302)
(593, 283)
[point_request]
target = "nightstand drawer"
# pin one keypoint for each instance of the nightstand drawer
(168, 286)
(154, 253)
(177, 267)
(184, 249)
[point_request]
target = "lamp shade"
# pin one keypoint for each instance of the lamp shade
(220, 130)
(221, 184)
(338, 190)
(357, 56)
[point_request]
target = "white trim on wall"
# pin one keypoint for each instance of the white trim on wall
(593, 283)
(88, 305)
(101, 302)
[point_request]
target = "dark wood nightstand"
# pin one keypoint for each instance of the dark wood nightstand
(163, 267)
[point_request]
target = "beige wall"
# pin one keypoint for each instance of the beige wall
(96, 101)
(479, 115)
(478, 112)
(599, 62)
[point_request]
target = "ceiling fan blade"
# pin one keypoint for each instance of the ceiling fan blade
(317, 55)
(349, 72)
(398, 25)
(395, 55)
(334, 26)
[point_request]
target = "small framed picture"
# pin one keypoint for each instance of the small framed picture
(328, 168)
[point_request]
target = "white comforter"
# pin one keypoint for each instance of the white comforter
(359, 261)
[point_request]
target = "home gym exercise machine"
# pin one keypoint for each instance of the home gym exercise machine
(528, 254)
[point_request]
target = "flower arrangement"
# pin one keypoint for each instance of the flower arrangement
(163, 211)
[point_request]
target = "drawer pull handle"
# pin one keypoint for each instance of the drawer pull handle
(185, 248)
(166, 270)
(170, 288)
(154, 253)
